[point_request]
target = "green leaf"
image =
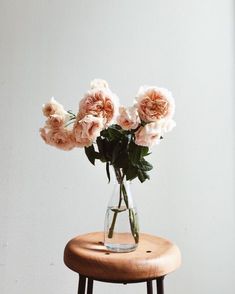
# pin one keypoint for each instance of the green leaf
(97, 156)
(144, 151)
(116, 127)
(102, 149)
(121, 161)
(142, 176)
(108, 149)
(131, 173)
(90, 153)
(134, 153)
(104, 133)
(145, 165)
(114, 133)
(115, 152)
(100, 145)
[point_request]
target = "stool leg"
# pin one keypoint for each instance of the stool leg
(149, 287)
(81, 284)
(160, 285)
(90, 286)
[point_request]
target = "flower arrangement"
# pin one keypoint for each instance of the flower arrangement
(111, 133)
(119, 136)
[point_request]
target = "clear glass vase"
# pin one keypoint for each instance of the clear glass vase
(121, 231)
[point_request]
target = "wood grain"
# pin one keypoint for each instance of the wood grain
(153, 258)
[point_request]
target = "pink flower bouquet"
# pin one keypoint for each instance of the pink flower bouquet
(119, 136)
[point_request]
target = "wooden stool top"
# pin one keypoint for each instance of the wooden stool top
(154, 257)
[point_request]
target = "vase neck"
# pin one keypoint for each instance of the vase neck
(122, 192)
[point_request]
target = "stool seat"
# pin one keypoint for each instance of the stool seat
(154, 257)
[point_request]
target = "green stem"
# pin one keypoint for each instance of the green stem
(132, 217)
(111, 229)
(71, 121)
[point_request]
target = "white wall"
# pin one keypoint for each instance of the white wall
(48, 196)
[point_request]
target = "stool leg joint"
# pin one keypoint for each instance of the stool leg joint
(160, 285)
(83, 281)
(149, 287)
(81, 284)
(90, 286)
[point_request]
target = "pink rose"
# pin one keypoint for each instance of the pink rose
(148, 135)
(55, 121)
(53, 107)
(101, 103)
(155, 103)
(87, 130)
(128, 118)
(61, 138)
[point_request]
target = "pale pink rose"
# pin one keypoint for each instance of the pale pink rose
(98, 83)
(79, 139)
(55, 121)
(101, 103)
(53, 107)
(87, 130)
(155, 103)
(148, 135)
(128, 118)
(60, 138)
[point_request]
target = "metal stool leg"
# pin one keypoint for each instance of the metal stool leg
(90, 286)
(81, 284)
(149, 287)
(160, 285)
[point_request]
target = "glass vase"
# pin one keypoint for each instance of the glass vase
(121, 231)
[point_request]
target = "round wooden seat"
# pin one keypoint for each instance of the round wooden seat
(154, 257)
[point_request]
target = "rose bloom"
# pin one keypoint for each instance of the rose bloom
(101, 103)
(53, 107)
(56, 121)
(155, 103)
(61, 138)
(87, 130)
(148, 135)
(128, 118)
(98, 83)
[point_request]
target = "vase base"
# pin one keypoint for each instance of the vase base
(121, 248)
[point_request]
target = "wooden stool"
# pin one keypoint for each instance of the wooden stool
(154, 258)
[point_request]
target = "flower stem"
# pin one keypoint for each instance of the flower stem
(132, 217)
(111, 229)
